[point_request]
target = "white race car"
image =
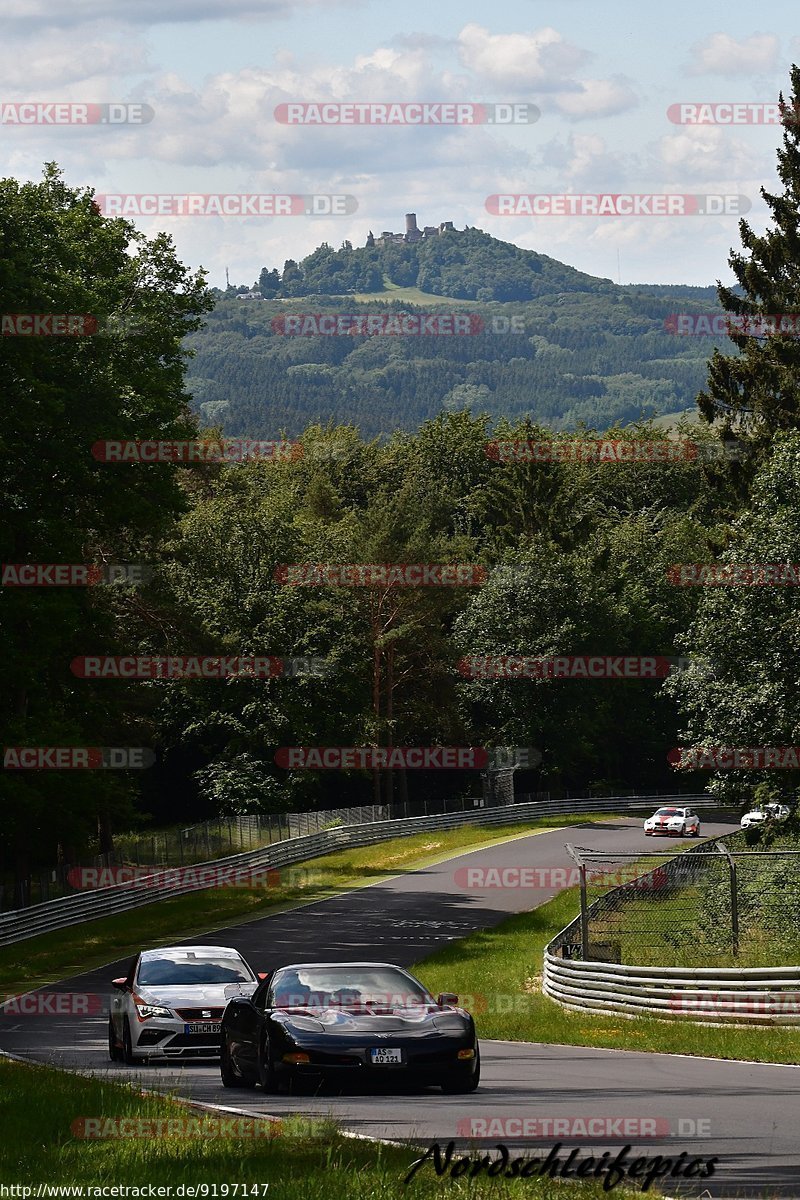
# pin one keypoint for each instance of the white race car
(170, 1003)
(757, 816)
(679, 822)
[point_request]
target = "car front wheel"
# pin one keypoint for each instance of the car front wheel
(267, 1076)
(229, 1077)
(458, 1084)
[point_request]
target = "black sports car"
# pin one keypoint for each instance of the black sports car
(347, 1020)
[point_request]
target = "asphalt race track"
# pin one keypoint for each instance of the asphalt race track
(746, 1113)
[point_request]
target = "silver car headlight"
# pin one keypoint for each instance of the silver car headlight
(144, 1011)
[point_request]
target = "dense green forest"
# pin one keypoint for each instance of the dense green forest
(556, 345)
(577, 556)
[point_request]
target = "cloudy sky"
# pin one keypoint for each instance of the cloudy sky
(601, 75)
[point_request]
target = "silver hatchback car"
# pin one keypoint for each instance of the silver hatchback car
(170, 1003)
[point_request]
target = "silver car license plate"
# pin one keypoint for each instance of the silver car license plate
(385, 1056)
(203, 1027)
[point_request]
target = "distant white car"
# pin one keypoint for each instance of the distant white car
(170, 1003)
(679, 822)
(772, 812)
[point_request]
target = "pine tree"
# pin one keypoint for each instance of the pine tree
(757, 392)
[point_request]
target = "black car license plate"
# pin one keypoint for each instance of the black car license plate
(386, 1056)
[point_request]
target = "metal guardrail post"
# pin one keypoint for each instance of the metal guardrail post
(734, 884)
(573, 853)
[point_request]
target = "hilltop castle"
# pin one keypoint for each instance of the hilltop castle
(412, 234)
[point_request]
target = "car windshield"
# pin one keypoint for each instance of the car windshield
(183, 970)
(670, 812)
(347, 987)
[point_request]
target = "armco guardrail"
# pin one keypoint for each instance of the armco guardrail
(25, 923)
(711, 995)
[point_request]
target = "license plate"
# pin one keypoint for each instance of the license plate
(203, 1027)
(383, 1057)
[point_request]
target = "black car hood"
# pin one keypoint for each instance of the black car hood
(339, 1021)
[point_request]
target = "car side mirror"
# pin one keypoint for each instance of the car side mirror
(235, 991)
(446, 998)
(120, 984)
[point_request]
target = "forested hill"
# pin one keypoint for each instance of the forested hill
(556, 344)
(464, 264)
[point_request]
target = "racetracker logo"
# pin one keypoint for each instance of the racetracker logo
(734, 574)
(616, 204)
(513, 878)
(225, 204)
(227, 450)
(378, 325)
(189, 878)
(73, 113)
(735, 758)
(439, 112)
(205, 1128)
(73, 574)
(380, 574)
(47, 324)
(52, 1004)
(741, 112)
(519, 666)
(725, 1004)
(77, 758)
(193, 667)
(597, 450)
(758, 325)
(414, 758)
(584, 1126)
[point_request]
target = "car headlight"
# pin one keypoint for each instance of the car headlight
(144, 1011)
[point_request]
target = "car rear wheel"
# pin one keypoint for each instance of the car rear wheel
(127, 1044)
(267, 1076)
(114, 1052)
(229, 1077)
(458, 1084)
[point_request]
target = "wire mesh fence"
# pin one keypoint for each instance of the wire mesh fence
(714, 904)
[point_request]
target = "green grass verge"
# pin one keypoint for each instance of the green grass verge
(309, 1159)
(79, 948)
(501, 968)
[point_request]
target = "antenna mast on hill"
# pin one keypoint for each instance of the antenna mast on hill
(227, 278)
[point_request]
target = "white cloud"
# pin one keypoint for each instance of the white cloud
(540, 61)
(598, 98)
(708, 154)
(721, 54)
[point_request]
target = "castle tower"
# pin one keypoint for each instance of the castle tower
(412, 232)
